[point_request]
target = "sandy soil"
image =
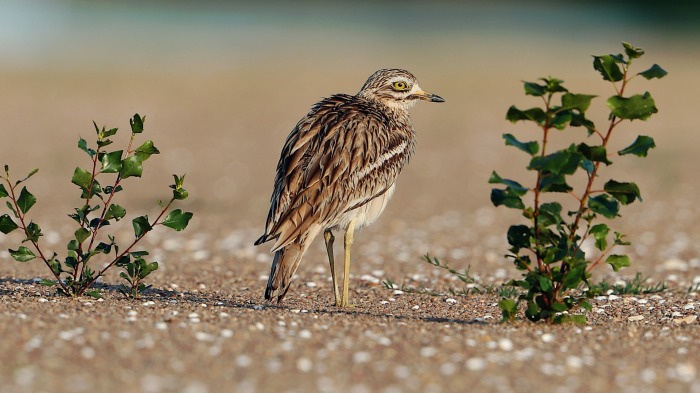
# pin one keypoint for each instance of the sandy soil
(221, 113)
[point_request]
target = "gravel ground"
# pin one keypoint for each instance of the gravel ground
(224, 338)
(220, 97)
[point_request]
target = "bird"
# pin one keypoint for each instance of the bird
(337, 171)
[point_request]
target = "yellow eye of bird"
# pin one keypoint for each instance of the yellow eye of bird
(400, 86)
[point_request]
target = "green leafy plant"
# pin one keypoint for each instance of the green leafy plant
(472, 285)
(549, 248)
(635, 286)
(74, 274)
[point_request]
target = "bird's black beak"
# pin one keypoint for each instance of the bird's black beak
(425, 96)
(435, 98)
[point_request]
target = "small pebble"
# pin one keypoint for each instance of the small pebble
(689, 319)
(547, 337)
(476, 364)
(449, 300)
(361, 357)
(505, 344)
(635, 318)
(304, 365)
(202, 336)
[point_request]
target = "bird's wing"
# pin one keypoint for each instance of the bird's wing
(340, 156)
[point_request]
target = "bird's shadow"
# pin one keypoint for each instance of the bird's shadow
(239, 302)
(333, 310)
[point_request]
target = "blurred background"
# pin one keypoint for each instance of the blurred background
(222, 83)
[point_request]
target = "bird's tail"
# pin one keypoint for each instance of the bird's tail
(284, 264)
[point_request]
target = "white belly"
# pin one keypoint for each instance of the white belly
(366, 214)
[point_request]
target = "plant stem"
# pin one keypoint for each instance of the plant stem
(35, 244)
(127, 250)
(537, 191)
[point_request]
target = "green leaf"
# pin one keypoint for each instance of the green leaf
(81, 234)
(654, 72)
(640, 147)
(508, 198)
(146, 150)
(113, 190)
(112, 162)
(618, 261)
(509, 309)
(549, 214)
(619, 239)
(115, 211)
(26, 200)
(22, 254)
(131, 166)
(7, 225)
(530, 148)
(580, 102)
(103, 143)
(33, 232)
(626, 193)
(554, 85)
(12, 208)
(603, 204)
(574, 276)
(632, 51)
(533, 114)
(594, 153)
(137, 124)
(47, 283)
(600, 234)
(534, 89)
(636, 107)
(546, 284)
(141, 226)
(82, 145)
(180, 194)
(81, 178)
(562, 162)
(579, 120)
(554, 183)
(177, 220)
(103, 248)
(515, 187)
(519, 237)
(533, 311)
(32, 173)
(96, 223)
(560, 119)
(147, 268)
(608, 67)
(3, 191)
(107, 133)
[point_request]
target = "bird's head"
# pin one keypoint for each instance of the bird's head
(396, 88)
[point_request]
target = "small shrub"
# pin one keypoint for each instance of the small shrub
(74, 274)
(548, 249)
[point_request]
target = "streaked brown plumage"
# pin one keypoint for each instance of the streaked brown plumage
(338, 169)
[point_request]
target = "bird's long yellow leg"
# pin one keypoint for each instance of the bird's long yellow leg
(346, 275)
(328, 236)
